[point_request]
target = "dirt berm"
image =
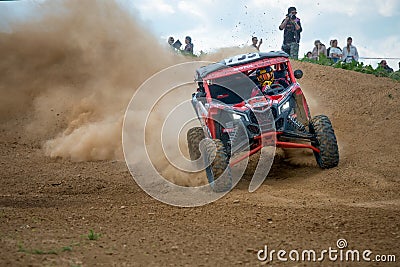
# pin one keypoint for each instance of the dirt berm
(49, 205)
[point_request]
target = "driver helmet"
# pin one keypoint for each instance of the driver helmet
(265, 76)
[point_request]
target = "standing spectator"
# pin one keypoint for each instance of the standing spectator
(171, 40)
(383, 64)
(319, 49)
(255, 41)
(291, 35)
(189, 46)
(176, 45)
(335, 53)
(350, 52)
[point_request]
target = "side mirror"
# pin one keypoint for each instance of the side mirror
(298, 74)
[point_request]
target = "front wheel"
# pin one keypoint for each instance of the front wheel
(328, 157)
(217, 161)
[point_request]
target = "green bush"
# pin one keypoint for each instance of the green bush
(354, 66)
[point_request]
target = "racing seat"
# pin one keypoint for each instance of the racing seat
(281, 78)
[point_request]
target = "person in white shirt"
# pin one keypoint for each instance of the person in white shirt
(335, 53)
(254, 40)
(350, 52)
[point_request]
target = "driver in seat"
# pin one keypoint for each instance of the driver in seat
(266, 78)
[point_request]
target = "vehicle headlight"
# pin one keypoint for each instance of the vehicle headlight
(236, 116)
(285, 107)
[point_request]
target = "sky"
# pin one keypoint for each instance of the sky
(373, 24)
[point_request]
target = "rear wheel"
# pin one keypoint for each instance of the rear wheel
(218, 170)
(328, 157)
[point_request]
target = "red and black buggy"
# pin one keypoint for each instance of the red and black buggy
(239, 116)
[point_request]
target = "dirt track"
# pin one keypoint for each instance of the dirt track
(49, 205)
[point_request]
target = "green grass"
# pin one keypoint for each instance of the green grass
(36, 251)
(354, 66)
(66, 248)
(21, 248)
(44, 252)
(92, 235)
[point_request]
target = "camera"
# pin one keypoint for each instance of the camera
(291, 16)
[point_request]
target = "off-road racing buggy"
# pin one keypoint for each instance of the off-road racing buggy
(231, 93)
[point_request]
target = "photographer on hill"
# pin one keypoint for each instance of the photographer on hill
(291, 35)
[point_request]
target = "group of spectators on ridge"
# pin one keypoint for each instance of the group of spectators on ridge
(348, 54)
(291, 27)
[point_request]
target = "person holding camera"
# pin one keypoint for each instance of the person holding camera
(291, 34)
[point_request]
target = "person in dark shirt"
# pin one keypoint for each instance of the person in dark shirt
(291, 27)
(383, 64)
(189, 46)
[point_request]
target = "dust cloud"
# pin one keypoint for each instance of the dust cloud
(71, 72)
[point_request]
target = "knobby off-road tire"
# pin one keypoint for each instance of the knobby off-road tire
(219, 181)
(194, 137)
(218, 170)
(326, 142)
